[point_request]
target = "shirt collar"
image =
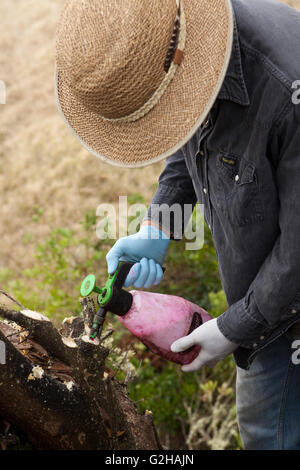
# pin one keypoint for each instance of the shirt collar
(234, 86)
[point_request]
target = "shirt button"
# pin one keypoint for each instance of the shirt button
(205, 190)
(262, 338)
(206, 123)
(237, 178)
(294, 311)
(201, 153)
(255, 345)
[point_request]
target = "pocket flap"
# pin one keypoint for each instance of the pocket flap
(248, 175)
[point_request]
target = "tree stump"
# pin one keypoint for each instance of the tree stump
(54, 387)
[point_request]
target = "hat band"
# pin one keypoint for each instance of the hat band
(177, 59)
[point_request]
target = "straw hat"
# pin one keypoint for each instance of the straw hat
(136, 78)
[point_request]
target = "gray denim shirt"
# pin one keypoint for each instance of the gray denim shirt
(243, 164)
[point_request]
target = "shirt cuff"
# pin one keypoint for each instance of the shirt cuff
(166, 212)
(243, 324)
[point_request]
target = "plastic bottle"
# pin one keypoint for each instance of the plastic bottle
(155, 319)
(159, 319)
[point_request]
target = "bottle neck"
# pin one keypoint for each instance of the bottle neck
(120, 302)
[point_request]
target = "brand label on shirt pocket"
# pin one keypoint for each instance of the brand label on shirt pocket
(228, 161)
(238, 195)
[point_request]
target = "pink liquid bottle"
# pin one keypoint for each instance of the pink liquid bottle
(157, 320)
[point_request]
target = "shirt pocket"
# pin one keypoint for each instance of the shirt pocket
(238, 194)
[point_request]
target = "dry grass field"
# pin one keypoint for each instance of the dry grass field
(44, 172)
(46, 179)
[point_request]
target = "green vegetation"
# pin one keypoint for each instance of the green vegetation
(190, 410)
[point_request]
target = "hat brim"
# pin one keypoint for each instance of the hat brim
(182, 108)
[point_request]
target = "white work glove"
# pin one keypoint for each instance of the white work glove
(214, 346)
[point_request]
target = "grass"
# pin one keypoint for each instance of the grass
(47, 180)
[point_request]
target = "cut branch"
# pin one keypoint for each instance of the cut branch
(54, 388)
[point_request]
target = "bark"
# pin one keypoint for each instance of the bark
(56, 388)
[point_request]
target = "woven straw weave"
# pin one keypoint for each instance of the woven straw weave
(110, 61)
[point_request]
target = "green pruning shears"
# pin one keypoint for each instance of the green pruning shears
(111, 297)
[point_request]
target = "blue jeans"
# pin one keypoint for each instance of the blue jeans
(268, 398)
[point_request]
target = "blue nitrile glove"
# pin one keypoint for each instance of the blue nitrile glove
(148, 248)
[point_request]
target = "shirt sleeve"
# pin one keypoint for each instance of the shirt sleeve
(272, 303)
(175, 198)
